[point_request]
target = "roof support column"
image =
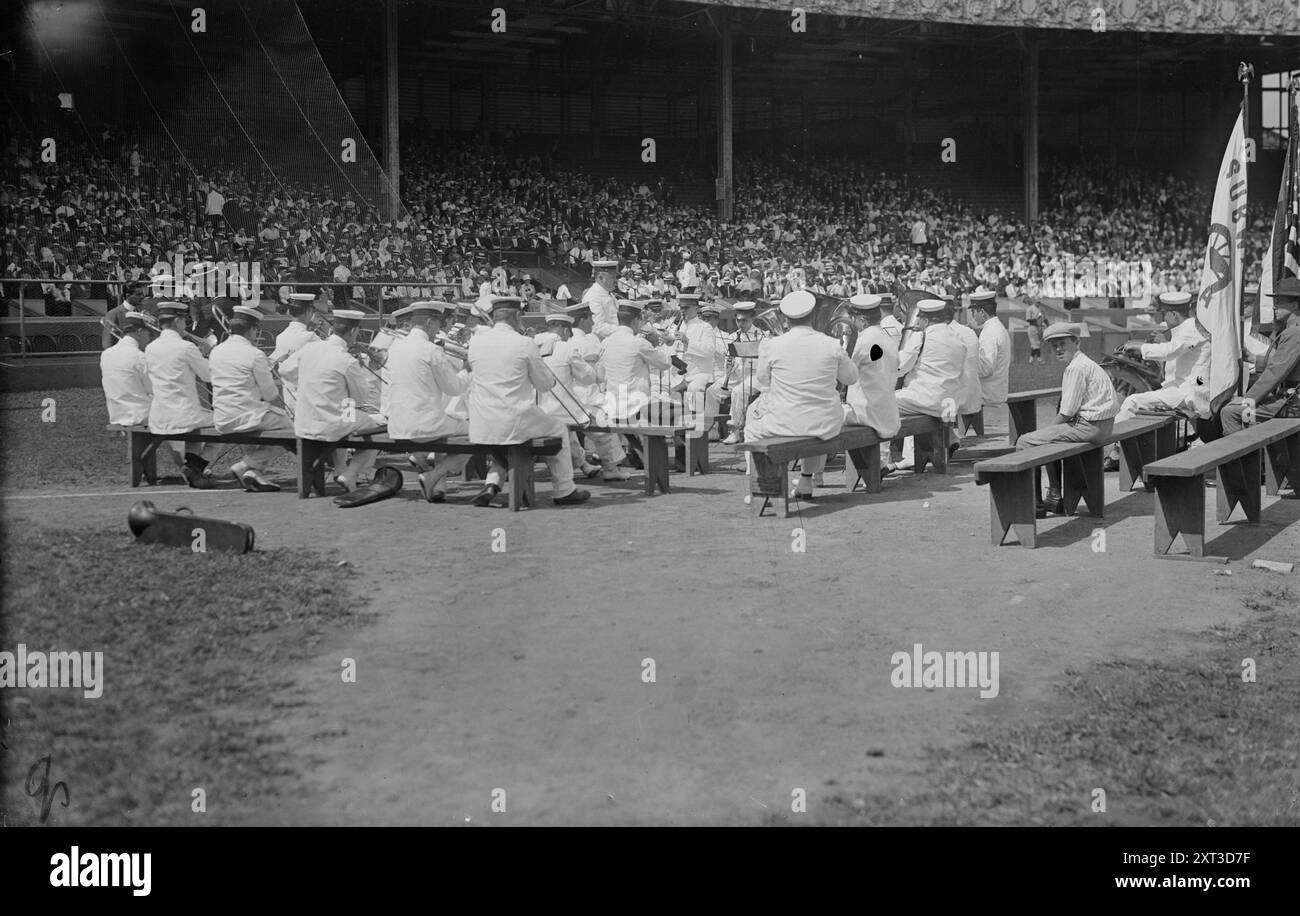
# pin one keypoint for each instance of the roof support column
(1029, 83)
(725, 191)
(392, 158)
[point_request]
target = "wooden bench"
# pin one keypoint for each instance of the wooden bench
(1022, 410)
(772, 458)
(1180, 480)
(696, 456)
(654, 445)
(143, 446)
(1013, 478)
(520, 456)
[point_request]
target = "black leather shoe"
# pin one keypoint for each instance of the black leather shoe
(196, 480)
(486, 495)
(573, 499)
(1110, 464)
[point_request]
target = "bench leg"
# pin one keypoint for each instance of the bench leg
(1282, 463)
(1239, 482)
(975, 421)
(697, 454)
(1022, 417)
(1082, 477)
(862, 465)
(523, 494)
(941, 439)
(1011, 506)
(1180, 509)
(1134, 454)
(656, 463)
(311, 466)
(771, 483)
(143, 449)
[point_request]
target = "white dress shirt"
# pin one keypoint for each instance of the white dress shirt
(242, 386)
(629, 359)
(798, 372)
(125, 376)
(175, 369)
(995, 361)
(936, 373)
(508, 372)
(872, 399)
(333, 391)
(424, 380)
(604, 310)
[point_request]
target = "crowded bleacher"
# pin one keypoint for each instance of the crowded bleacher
(111, 209)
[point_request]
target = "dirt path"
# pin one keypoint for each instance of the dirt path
(522, 670)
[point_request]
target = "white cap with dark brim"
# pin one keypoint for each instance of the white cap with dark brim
(248, 311)
(560, 317)
(931, 306)
(746, 306)
(798, 304)
(348, 314)
(865, 302)
(1176, 300)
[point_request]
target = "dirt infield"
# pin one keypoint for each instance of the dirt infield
(524, 668)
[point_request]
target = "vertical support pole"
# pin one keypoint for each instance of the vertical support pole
(725, 190)
(1029, 81)
(392, 158)
(22, 310)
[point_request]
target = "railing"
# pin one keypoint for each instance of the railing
(39, 336)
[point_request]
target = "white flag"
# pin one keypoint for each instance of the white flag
(1218, 308)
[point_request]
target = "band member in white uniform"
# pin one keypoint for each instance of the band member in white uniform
(631, 361)
(296, 334)
(124, 372)
(800, 371)
(176, 366)
(572, 371)
(1187, 367)
(508, 372)
(608, 447)
(889, 322)
(335, 397)
(740, 376)
(245, 397)
(424, 381)
(697, 346)
(871, 402)
(931, 365)
(995, 347)
(599, 297)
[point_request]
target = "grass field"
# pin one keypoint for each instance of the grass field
(195, 649)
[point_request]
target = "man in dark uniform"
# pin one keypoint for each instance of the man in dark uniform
(1276, 392)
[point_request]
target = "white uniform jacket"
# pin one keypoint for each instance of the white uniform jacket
(872, 398)
(507, 372)
(936, 372)
(604, 310)
(333, 391)
(125, 376)
(971, 399)
(175, 369)
(629, 359)
(242, 386)
(799, 371)
(423, 382)
(995, 361)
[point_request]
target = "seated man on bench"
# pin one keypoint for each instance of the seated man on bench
(1086, 413)
(1276, 392)
(799, 372)
(508, 371)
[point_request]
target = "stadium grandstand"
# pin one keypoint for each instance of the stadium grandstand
(382, 151)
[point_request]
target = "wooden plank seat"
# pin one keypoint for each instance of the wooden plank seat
(1022, 410)
(520, 456)
(1180, 480)
(312, 453)
(654, 445)
(1013, 478)
(772, 459)
(142, 445)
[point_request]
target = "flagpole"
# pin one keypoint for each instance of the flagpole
(1245, 72)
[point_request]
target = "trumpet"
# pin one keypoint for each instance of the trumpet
(454, 349)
